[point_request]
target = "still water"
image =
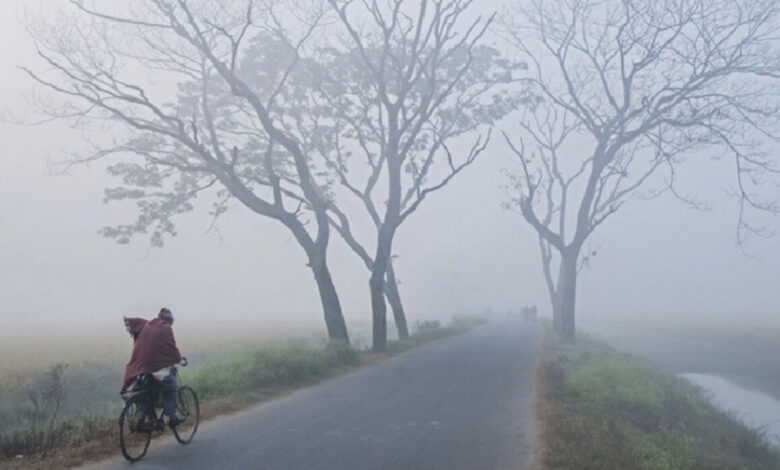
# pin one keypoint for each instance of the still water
(756, 409)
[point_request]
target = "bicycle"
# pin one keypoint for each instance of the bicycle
(140, 417)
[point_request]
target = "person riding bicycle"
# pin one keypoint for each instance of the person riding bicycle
(155, 353)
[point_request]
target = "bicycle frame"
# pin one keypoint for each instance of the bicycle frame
(145, 397)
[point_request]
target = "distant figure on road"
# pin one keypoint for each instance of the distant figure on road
(155, 352)
(529, 313)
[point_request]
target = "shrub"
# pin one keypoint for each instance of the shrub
(342, 354)
(667, 451)
(41, 429)
(466, 322)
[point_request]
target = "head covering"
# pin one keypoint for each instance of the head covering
(165, 315)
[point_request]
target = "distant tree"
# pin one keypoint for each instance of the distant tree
(217, 113)
(629, 89)
(410, 81)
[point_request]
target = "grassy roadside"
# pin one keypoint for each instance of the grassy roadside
(224, 386)
(744, 353)
(600, 409)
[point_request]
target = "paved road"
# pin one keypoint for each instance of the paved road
(461, 403)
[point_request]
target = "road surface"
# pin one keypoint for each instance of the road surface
(461, 403)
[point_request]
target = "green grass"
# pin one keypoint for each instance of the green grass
(605, 380)
(269, 367)
(602, 409)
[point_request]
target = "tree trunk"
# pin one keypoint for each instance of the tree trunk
(556, 311)
(331, 306)
(377, 287)
(546, 251)
(567, 295)
(378, 309)
(394, 298)
(384, 246)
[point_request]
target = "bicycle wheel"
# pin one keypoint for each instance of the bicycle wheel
(134, 429)
(189, 408)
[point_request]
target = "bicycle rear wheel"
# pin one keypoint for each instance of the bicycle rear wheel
(189, 408)
(134, 431)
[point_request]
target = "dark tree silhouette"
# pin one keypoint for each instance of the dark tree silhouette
(211, 117)
(409, 81)
(629, 89)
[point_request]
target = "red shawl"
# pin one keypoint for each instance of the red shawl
(154, 348)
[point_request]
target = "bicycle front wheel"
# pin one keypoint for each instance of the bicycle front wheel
(134, 433)
(189, 408)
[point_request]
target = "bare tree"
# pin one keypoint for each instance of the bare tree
(409, 81)
(629, 89)
(210, 119)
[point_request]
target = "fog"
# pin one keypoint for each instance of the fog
(461, 252)
(359, 209)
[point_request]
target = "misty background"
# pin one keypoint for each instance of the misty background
(657, 260)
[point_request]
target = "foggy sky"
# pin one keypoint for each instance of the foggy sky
(460, 252)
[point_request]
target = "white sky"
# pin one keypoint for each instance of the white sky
(460, 252)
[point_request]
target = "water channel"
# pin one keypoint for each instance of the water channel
(756, 409)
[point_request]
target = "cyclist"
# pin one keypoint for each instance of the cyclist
(155, 352)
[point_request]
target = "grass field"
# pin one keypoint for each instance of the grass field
(95, 360)
(601, 409)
